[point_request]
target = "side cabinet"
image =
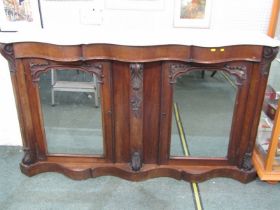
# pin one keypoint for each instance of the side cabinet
(136, 99)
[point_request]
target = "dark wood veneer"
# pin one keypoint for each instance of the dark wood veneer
(137, 54)
(136, 100)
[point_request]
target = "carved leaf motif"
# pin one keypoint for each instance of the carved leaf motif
(8, 52)
(247, 161)
(239, 71)
(269, 53)
(35, 63)
(37, 67)
(135, 102)
(136, 78)
(176, 70)
(28, 157)
(136, 93)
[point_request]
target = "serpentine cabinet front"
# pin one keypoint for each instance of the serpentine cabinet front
(136, 87)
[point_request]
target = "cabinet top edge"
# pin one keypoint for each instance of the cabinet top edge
(141, 38)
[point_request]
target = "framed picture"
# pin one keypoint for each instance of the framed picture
(16, 15)
(135, 4)
(192, 13)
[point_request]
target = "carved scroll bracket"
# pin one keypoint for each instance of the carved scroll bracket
(269, 53)
(136, 92)
(247, 162)
(177, 70)
(29, 156)
(39, 66)
(8, 52)
(239, 71)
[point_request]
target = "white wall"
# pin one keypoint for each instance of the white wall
(9, 126)
(226, 14)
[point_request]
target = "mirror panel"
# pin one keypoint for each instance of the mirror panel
(203, 105)
(71, 112)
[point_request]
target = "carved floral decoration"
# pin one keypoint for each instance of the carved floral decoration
(269, 53)
(40, 66)
(8, 52)
(178, 70)
(136, 92)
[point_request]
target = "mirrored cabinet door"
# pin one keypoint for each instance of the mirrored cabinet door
(202, 111)
(71, 112)
(72, 99)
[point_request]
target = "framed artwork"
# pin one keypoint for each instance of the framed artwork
(17, 15)
(192, 13)
(135, 4)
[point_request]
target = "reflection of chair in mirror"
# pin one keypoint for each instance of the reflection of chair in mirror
(74, 86)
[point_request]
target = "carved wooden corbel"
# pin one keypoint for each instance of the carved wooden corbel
(7, 51)
(176, 70)
(37, 67)
(136, 92)
(247, 162)
(269, 53)
(239, 71)
(29, 156)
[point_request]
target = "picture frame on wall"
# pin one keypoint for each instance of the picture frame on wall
(135, 4)
(192, 13)
(18, 15)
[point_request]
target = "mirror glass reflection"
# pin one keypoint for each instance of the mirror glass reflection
(71, 112)
(203, 105)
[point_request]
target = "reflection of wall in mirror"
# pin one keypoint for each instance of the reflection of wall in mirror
(193, 9)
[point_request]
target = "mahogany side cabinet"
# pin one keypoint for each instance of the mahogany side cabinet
(136, 88)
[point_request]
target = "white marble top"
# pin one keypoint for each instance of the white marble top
(196, 37)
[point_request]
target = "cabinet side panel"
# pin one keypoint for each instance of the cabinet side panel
(25, 114)
(254, 105)
(121, 86)
(152, 86)
(239, 115)
(253, 111)
(259, 97)
(16, 87)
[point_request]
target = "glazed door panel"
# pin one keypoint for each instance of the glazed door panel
(72, 126)
(238, 73)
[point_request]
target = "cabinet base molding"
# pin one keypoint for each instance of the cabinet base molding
(80, 171)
